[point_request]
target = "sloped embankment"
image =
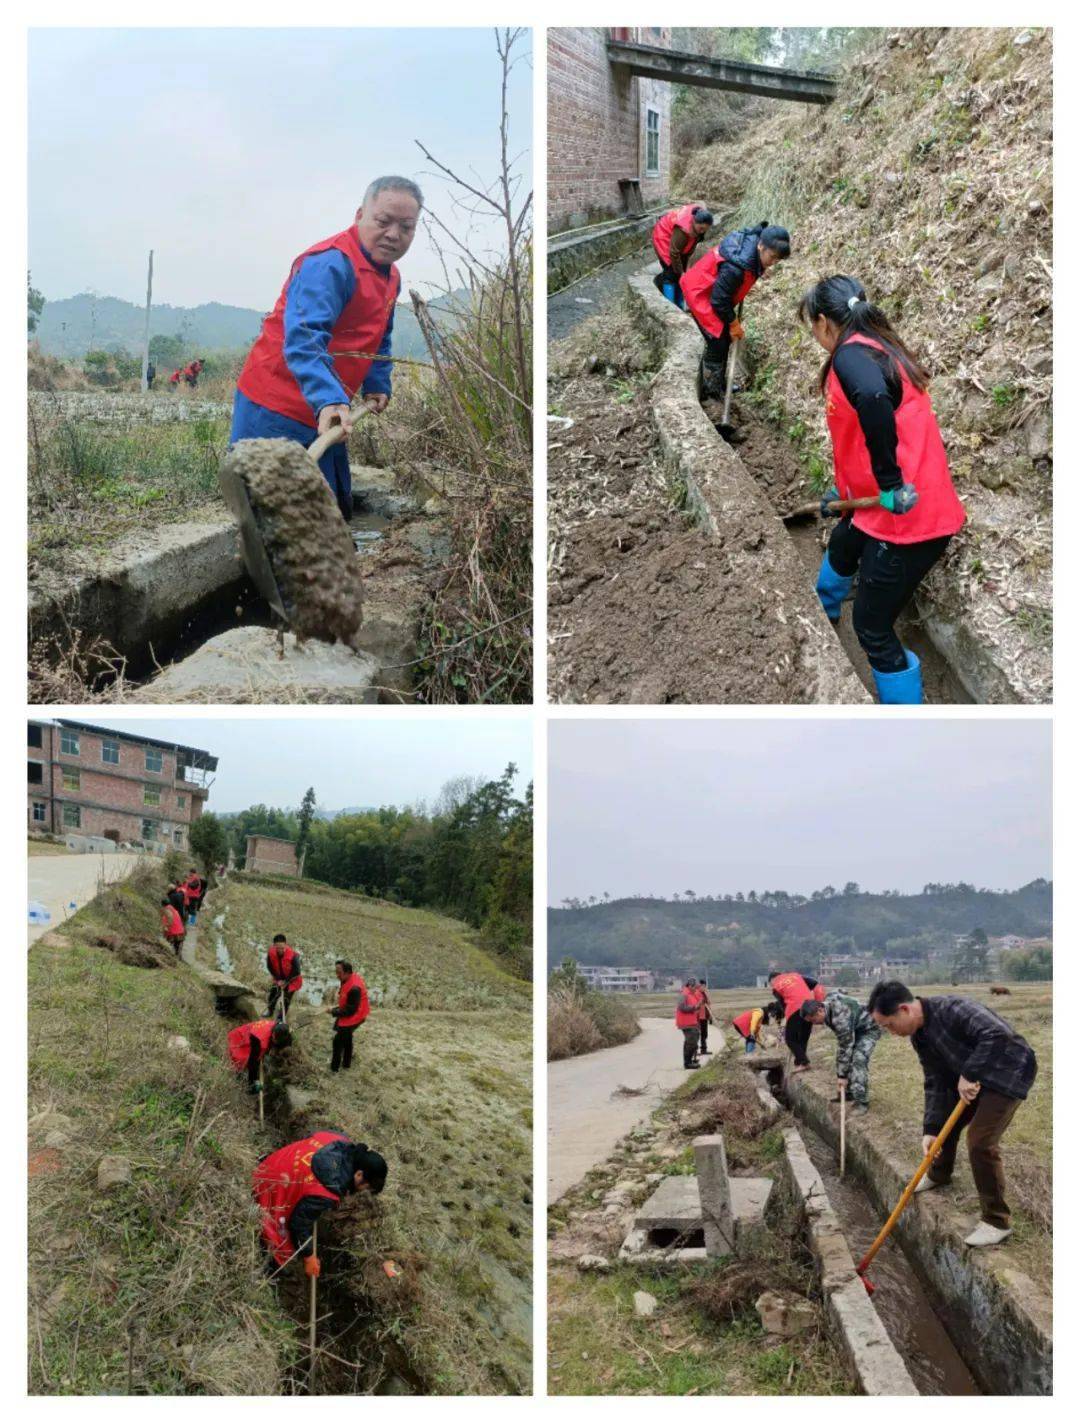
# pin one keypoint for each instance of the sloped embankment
(154, 1285)
(930, 179)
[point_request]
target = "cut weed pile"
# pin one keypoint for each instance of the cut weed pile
(162, 1276)
(441, 1085)
(705, 1336)
(930, 180)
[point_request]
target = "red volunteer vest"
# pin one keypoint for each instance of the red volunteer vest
(688, 1018)
(706, 1006)
(696, 285)
(171, 922)
(741, 1024)
(920, 453)
(282, 960)
(661, 234)
(794, 990)
(353, 1019)
(239, 1041)
(267, 380)
(281, 1181)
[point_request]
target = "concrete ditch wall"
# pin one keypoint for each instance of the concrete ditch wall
(998, 1318)
(572, 255)
(721, 493)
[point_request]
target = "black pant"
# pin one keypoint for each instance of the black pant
(668, 277)
(275, 991)
(888, 576)
(797, 1036)
(342, 1053)
(690, 1040)
(703, 1029)
(714, 360)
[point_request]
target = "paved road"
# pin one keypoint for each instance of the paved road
(591, 294)
(56, 880)
(584, 1120)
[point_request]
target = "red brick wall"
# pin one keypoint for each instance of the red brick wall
(596, 128)
(276, 857)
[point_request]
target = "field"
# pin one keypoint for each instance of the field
(46, 847)
(441, 1085)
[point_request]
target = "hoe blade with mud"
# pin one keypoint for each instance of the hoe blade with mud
(296, 547)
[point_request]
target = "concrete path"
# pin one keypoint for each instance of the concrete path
(56, 880)
(584, 1120)
(592, 293)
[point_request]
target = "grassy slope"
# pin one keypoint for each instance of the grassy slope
(441, 1084)
(46, 847)
(444, 1094)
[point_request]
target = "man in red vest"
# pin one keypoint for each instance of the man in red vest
(334, 314)
(674, 238)
(715, 287)
(705, 1017)
(294, 1185)
(352, 1008)
(283, 965)
(791, 990)
(172, 926)
(250, 1042)
(686, 1020)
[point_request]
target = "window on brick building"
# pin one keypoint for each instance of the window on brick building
(40, 809)
(72, 817)
(178, 837)
(70, 778)
(151, 795)
(35, 773)
(181, 801)
(149, 830)
(69, 743)
(154, 760)
(33, 735)
(652, 143)
(110, 752)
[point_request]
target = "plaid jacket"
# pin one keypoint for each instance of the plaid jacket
(962, 1038)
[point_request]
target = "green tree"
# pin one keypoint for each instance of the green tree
(209, 841)
(304, 819)
(35, 305)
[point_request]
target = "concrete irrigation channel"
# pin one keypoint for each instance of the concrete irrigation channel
(964, 1322)
(175, 604)
(731, 498)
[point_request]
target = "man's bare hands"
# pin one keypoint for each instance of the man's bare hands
(968, 1090)
(377, 403)
(927, 1143)
(331, 415)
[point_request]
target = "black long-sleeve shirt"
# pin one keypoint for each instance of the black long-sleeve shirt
(332, 1167)
(962, 1038)
(871, 382)
(352, 1005)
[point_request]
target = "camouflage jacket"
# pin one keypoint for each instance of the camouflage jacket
(849, 1020)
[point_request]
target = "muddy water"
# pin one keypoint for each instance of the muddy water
(367, 531)
(899, 1298)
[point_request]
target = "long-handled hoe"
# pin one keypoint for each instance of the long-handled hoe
(261, 1093)
(314, 1289)
(843, 1128)
(909, 1191)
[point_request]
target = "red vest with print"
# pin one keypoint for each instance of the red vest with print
(171, 922)
(239, 1041)
(920, 453)
(794, 990)
(267, 380)
(281, 1181)
(352, 1019)
(688, 1017)
(282, 961)
(661, 234)
(697, 284)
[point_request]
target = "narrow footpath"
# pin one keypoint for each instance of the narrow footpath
(58, 881)
(585, 1119)
(592, 293)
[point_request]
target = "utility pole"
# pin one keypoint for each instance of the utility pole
(146, 328)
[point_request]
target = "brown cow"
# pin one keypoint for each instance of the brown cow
(999, 989)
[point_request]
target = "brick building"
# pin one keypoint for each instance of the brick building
(604, 128)
(270, 856)
(88, 780)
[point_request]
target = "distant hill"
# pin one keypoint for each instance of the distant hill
(70, 326)
(737, 939)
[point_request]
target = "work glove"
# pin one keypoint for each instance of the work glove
(312, 1268)
(828, 499)
(737, 330)
(899, 501)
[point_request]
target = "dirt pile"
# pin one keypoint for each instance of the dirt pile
(930, 180)
(307, 542)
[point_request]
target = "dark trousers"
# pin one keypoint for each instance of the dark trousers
(342, 1052)
(703, 1029)
(690, 1039)
(714, 360)
(797, 1037)
(669, 277)
(888, 576)
(986, 1119)
(256, 422)
(272, 999)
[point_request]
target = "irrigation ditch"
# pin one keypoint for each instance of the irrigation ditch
(964, 1321)
(741, 490)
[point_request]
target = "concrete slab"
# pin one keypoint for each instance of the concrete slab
(244, 665)
(674, 1205)
(749, 1197)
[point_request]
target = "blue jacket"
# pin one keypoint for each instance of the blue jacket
(318, 294)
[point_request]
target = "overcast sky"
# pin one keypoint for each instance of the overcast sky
(717, 807)
(359, 761)
(230, 151)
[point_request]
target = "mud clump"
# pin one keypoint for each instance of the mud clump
(306, 539)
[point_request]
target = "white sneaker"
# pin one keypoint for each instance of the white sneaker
(927, 1185)
(986, 1234)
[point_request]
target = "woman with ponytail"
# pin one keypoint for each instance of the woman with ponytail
(886, 443)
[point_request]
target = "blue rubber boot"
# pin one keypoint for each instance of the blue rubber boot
(901, 688)
(832, 589)
(670, 292)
